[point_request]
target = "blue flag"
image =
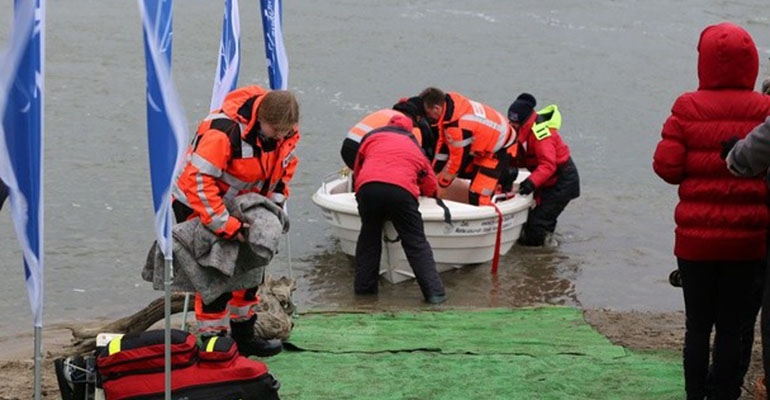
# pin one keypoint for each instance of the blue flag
(229, 61)
(272, 26)
(21, 139)
(166, 122)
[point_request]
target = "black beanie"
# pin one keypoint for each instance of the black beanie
(412, 107)
(521, 108)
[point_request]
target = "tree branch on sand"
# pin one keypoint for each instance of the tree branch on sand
(84, 338)
(274, 317)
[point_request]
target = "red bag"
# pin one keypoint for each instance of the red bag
(142, 353)
(217, 370)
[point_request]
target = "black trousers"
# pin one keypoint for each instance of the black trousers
(377, 203)
(722, 295)
(765, 324)
(553, 199)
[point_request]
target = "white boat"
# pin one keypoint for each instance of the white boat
(470, 239)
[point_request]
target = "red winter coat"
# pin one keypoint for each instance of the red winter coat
(719, 216)
(541, 156)
(392, 155)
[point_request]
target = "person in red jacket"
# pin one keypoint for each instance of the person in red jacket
(411, 107)
(721, 220)
(553, 175)
(246, 146)
(391, 173)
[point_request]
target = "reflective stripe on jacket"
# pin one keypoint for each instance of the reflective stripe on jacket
(472, 128)
(377, 119)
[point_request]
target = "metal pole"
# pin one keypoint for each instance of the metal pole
(38, 362)
(184, 311)
(288, 254)
(168, 276)
(288, 241)
(288, 251)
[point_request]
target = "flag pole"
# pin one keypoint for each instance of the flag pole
(39, 54)
(167, 280)
(21, 149)
(277, 70)
(38, 362)
(167, 136)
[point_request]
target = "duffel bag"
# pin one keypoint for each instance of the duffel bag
(143, 353)
(220, 373)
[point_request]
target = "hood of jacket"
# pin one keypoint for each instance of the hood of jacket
(241, 105)
(727, 58)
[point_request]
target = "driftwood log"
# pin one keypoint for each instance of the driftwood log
(274, 316)
(84, 338)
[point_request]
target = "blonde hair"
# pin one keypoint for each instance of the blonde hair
(279, 109)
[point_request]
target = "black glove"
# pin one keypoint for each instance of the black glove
(727, 145)
(526, 187)
(508, 178)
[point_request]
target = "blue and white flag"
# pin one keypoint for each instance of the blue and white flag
(272, 26)
(21, 139)
(166, 122)
(229, 61)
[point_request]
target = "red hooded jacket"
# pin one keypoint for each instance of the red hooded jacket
(719, 216)
(392, 155)
(541, 157)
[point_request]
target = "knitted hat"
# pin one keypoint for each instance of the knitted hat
(412, 107)
(521, 108)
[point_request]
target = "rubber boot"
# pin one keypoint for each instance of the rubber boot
(249, 345)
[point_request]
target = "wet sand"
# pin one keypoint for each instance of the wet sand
(634, 330)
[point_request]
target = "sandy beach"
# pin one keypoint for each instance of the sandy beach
(634, 330)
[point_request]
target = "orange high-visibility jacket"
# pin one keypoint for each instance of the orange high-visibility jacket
(227, 157)
(473, 127)
(377, 119)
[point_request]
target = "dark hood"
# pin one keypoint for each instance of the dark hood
(727, 58)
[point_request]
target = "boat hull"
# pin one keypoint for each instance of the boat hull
(469, 239)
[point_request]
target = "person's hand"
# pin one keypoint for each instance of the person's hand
(243, 233)
(526, 187)
(444, 180)
(727, 145)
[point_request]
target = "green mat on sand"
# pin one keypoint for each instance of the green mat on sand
(539, 353)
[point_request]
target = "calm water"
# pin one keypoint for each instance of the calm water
(613, 67)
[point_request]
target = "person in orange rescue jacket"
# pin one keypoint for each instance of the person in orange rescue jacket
(411, 107)
(474, 141)
(391, 173)
(553, 175)
(246, 146)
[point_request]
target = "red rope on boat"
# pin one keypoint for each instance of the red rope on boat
(498, 238)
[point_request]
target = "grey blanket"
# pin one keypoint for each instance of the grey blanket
(212, 266)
